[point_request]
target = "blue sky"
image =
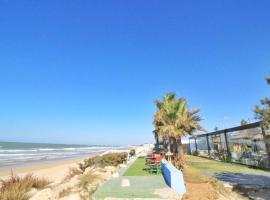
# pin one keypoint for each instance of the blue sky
(89, 71)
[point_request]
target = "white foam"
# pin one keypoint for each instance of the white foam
(19, 156)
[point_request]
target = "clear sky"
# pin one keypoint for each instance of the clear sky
(88, 71)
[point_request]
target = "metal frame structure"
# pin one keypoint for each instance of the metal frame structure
(225, 145)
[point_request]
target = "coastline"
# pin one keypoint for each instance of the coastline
(56, 180)
(53, 170)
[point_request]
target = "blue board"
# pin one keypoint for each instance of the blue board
(173, 177)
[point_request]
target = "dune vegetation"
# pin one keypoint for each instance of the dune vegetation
(110, 159)
(16, 187)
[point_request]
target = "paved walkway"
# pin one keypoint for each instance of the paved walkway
(255, 180)
(140, 187)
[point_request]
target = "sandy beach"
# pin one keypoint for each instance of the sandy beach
(53, 171)
(56, 180)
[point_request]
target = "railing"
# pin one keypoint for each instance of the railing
(247, 144)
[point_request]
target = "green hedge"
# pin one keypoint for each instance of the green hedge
(110, 159)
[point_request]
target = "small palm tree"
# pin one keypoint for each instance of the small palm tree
(173, 119)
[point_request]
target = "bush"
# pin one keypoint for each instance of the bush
(110, 159)
(73, 171)
(65, 192)
(86, 180)
(132, 152)
(16, 187)
(88, 185)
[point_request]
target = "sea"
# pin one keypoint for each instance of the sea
(16, 154)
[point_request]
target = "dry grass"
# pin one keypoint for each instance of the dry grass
(16, 187)
(88, 194)
(88, 184)
(64, 192)
(86, 180)
(199, 187)
(73, 172)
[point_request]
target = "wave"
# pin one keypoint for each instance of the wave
(15, 150)
(52, 149)
(12, 153)
(14, 157)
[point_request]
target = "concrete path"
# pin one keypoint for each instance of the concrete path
(252, 186)
(256, 180)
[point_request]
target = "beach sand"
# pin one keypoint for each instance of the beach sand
(53, 171)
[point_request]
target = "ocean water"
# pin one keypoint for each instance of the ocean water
(14, 154)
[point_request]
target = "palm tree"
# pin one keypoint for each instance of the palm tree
(173, 119)
(263, 113)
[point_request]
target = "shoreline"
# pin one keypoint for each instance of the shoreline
(53, 170)
(55, 180)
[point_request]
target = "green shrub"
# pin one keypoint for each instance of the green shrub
(132, 152)
(110, 159)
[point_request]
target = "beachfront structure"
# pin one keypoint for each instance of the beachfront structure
(244, 144)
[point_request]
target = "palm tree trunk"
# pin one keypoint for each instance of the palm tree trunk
(180, 149)
(173, 147)
(179, 159)
(157, 139)
(176, 147)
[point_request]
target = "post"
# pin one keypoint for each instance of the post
(189, 150)
(196, 146)
(227, 145)
(208, 146)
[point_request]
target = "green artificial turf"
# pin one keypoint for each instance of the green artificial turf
(140, 187)
(138, 169)
(142, 184)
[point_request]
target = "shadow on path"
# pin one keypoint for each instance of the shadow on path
(244, 179)
(252, 186)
